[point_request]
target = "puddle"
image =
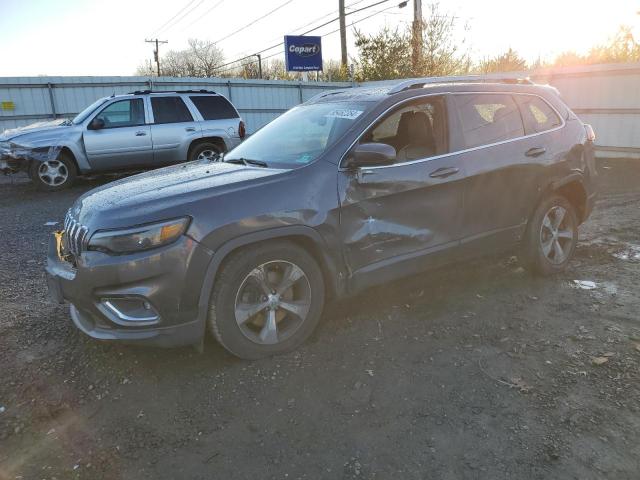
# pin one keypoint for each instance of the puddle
(629, 252)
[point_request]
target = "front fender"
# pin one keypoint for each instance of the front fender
(333, 275)
(41, 148)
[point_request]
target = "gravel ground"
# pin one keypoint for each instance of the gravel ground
(475, 371)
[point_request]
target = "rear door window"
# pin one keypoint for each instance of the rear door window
(488, 118)
(538, 115)
(170, 110)
(214, 107)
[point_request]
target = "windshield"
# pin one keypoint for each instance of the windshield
(87, 111)
(300, 135)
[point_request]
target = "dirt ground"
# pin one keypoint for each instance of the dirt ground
(478, 371)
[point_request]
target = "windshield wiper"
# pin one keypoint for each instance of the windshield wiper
(247, 162)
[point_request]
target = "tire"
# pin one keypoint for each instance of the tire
(540, 253)
(53, 175)
(205, 151)
(239, 291)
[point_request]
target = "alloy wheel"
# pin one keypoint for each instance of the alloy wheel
(53, 173)
(556, 235)
(273, 301)
(207, 155)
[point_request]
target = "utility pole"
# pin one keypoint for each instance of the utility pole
(156, 52)
(343, 33)
(259, 65)
(416, 53)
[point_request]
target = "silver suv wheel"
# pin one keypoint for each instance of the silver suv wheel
(272, 302)
(53, 173)
(207, 155)
(556, 234)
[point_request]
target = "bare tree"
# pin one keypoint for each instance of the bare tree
(199, 59)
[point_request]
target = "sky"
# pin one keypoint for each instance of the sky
(97, 37)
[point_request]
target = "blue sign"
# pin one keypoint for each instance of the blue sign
(303, 54)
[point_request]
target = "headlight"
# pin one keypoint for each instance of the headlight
(140, 238)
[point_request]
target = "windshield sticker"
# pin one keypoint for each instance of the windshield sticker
(344, 113)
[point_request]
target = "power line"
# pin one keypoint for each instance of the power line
(201, 17)
(185, 14)
(305, 33)
(254, 21)
(280, 53)
(246, 53)
(157, 30)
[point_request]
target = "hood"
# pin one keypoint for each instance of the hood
(165, 193)
(38, 130)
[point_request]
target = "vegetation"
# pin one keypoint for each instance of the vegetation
(388, 54)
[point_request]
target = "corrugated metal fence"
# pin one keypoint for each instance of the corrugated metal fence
(607, 96)
(24, 100)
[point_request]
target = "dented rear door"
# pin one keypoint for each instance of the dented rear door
(399, 211)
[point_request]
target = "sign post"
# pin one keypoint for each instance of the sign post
(303, 53)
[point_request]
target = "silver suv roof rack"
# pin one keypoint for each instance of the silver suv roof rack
(489, 78)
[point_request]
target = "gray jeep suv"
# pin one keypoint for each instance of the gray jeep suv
(137, 131)
(351, 189)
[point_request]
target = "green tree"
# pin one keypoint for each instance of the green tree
(442, 53)
(622, 47)
(388, 53)
(509, 61)
(385, 55)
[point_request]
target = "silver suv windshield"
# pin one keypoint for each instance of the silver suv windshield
(300, 135)
(88, 111)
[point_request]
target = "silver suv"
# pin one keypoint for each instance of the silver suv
(139, 130)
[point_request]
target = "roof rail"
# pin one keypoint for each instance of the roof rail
(323, 94)
(490, 78)
(144, 92)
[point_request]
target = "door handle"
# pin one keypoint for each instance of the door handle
(535, 152)
(444, 172)
(140, 133)
(190, 129)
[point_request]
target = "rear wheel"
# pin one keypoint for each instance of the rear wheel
(267, 300)
(205, 151)
(54, 174)
(552, 235)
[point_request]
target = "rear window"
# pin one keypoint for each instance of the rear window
(170, 110)
(488, 118)
(538, 114)
(214, 107)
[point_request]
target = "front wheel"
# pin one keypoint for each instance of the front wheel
(551, 237)
(53, 174)
(266, 300)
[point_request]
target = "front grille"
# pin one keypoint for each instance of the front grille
(75, 235)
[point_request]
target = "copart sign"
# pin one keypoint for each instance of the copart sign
(303, 53)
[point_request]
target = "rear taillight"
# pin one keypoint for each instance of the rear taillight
(591, 135)
(242, 131)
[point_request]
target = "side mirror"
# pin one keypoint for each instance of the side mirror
(96, 124)
(371, 155)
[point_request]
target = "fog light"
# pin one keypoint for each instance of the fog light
(129, 311)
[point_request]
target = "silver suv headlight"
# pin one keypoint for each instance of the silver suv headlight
(136, 239)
